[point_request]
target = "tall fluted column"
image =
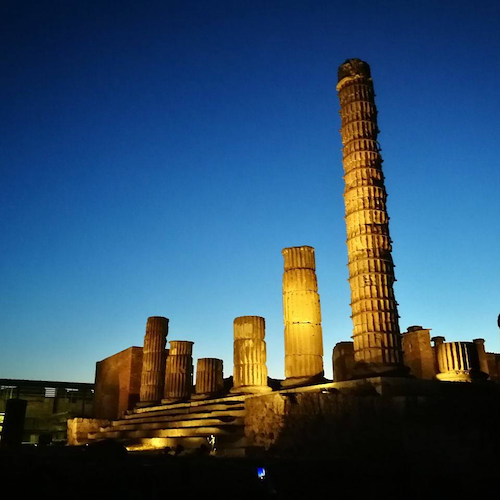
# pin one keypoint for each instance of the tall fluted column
(302, 317)
(153, 360)
(209, 378)
(250, 371)
(376, 334)
(179, 372)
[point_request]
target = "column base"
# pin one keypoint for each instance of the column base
(251, 389)
(291, 382)
(145, 404)
(207, 395)
(462, 376)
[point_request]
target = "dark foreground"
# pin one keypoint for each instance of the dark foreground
(112, 473)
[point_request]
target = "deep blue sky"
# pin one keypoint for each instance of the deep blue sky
(157, 156)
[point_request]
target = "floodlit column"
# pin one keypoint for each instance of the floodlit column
(458, 362)
(250, 371)
(376, 334)
(302, 317)
(179, 372)
(209, 379)
(153, 360)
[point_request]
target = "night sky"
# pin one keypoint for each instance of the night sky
(156, 157)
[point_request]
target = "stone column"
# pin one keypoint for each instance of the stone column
(419, 356)
(250, 371)
(153, 359)
(481, 352)
(458, 362)
(376, 335)
(302, 317)
(209, 378)
(343, 361)
(179, 372)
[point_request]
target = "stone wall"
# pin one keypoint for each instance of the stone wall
(117, 383)
(79, 428)
(452, 425)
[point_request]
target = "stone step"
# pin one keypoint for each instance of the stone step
(203, 422)
(228, 400)
(230, 430)
(184, 411)
(155, 417)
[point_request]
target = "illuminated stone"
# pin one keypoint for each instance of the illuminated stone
(418, 352)
(179, 372)
(458, 362)
(209, 377)
(376, 334)
(343, 361)
(302, 318)
(250, 371)
(153, 359)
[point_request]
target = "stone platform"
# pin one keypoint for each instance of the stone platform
(190, 424)
(373, 416)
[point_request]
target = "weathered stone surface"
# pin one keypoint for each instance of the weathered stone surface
(343, 361)
(302, 318)
(79, 428)
(179, 372)
(332, 424)
(153, 364)
(376, 335)
(209, 377)
(418, 352)
(493, 365)
(458, 362)
(117, 383)
(483, 358)
(250, 370)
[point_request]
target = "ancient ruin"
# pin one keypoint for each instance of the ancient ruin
(153, 361)
(302, 317)
(250, 371)
(391, 393)
(179, 371)
(376, 336)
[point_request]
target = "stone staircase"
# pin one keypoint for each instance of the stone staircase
(189, 424)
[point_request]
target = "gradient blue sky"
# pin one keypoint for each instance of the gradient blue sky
(157, 156)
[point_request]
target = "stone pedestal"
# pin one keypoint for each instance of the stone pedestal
(419, 356)
(153, 360)
(376, 335)
(343, 361)
(302, 318)
(250, 371)
(483, 358)
(179, 371)
(458, 362)
(209, 378)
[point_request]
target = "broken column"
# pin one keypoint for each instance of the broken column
(179, 371)
(458, 362)
(153, 360)
(209, 378)
(343, 361)
(376, 335)
(302, 317)
(250, 371)
(481, 353)
(419, 356)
